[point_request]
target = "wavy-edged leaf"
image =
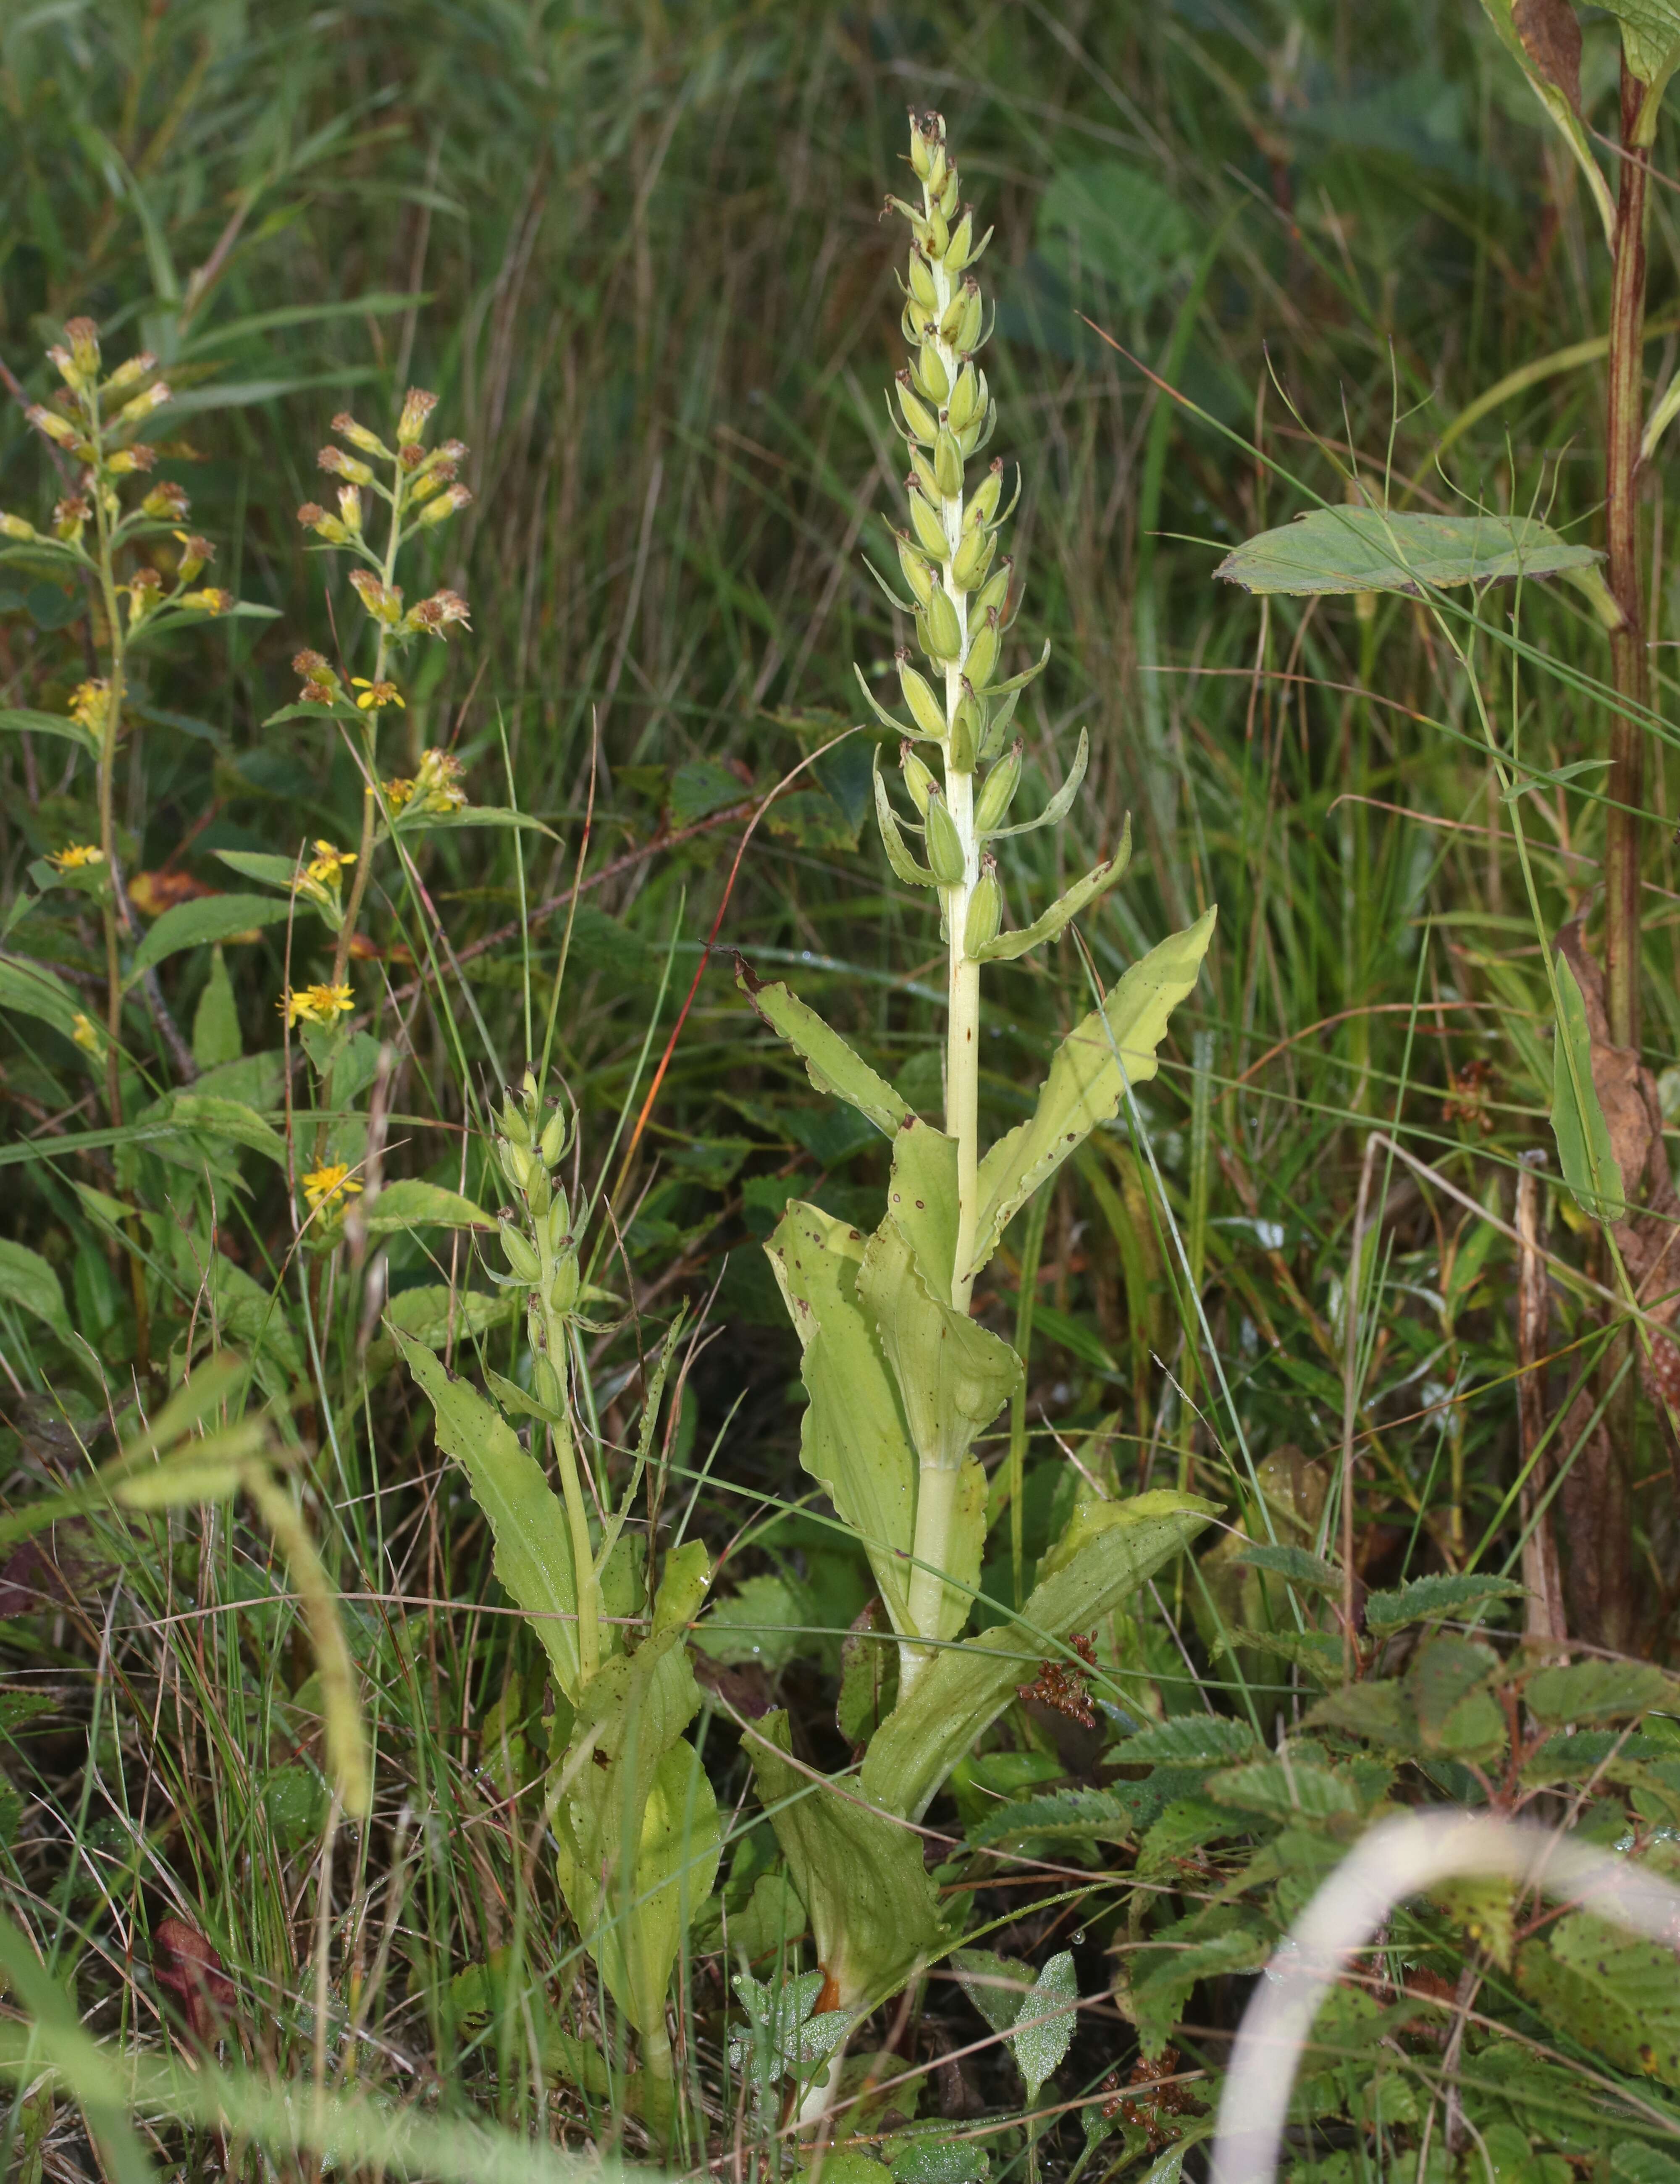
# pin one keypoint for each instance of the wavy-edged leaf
(1599, 1691)
(1087, 1081)
(1295, 1566)
(964, 1688)
(875, 1914)
(1561, 99)
(1423, 1598)
(208, 918)
(1189, 1740)
(533, 1548)
(1366, 549)
(892, 838)
(1005, 947)
(854, 1439)
(411, 1204)
(832, 1065)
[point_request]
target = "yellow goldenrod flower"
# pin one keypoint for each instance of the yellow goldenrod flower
(87, 1036)
(438, 783)
(398, 795)
(326, 866)
(323, 1184)
(322, 1004)
(76, 856)
(375, 696)
(89, 702)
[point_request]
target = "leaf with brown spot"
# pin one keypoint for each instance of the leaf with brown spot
(1550, 31)
(188, 1965)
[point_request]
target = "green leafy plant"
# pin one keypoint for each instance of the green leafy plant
(902, 1377)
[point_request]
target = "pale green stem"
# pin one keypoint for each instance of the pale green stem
(937, 1488)
(587, 1584)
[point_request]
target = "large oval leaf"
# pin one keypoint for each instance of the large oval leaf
(209, 917)
(1366, 550)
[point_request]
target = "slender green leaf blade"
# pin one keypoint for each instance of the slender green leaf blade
(1584, 1150)
(20, 720)
(832, 1065)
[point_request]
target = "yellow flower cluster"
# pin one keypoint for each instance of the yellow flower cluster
(322, 1004)
(326, 867)
(87, 1036)
(76, 857)
(436, 786)
(334, 1181)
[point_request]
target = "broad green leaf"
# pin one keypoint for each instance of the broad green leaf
(31, 989)
(1226, 1940)
(1599, 1691)
(922, 1203)
(1555, 81)
(1295, 1566)
(1584, 1150)
(1065, 1816)
(1650, 36)
(533, 1549)
(1446, 1686)
(1006, 947)
(1366, 550)
(27, 1281)
(1424, 1598)
(996, 1986)
(209, 917)
(411, 1204)
(1045, 2023)
(224, 1118)
(964, 1688)
(830, 1062)
(1376, 1711)
(21, 722)
(1189, 1740)
(953, 1375)
(854, 1439)
(1112, 1047)
(216, 1020)
(874, 1912)
(1125, 223)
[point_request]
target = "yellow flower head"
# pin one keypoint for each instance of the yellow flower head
(326, 867)
(376, 696)
(76, 856)
(88, 704)
(334, 1181)
(322, 1004)
(87, 1036)
(438, 783)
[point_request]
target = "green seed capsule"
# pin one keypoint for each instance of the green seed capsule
(938, 234)
(944, 630)
(521, 1257)
(936, 381)
(539, 1192)
(948, 195)
(948, 465)
(514, 1128)
(964, 400)
(922, 151)
(993, 595)
(545, 1383)
(922, 282)
(961, 242)
(918, 574)
(972, 559)
(517, 1164)
(928, 713)
(918, 779)
(997, 791)
(923, 470)
(563, 1289)
(982, 663)
(930, 532)
(559, 1222)
(985, 909)
(987, 495)
(945, 858)
(970, 325)
(921, 420)
(554, 1140)
(950, 324)
(960, 750)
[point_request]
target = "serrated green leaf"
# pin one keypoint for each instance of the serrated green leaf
(1424, 1598)
(1378, 1712)
(1007, 947)
(1114, 1046)
(1650, 36)
(1068, 1815)
(1184, 1826)
(533, 1548)
(875, 1914)
(1283, 1790)
(996, 1986)
(209, 917)
(27, 1281)
(411, 1204)
(1045, 2022)
(1366, 550)
(1599, 1691)
(1294, 1565)
(1446, 1687)
(1189, 1740)
(830, 1064)
(1616, 1993)
(1585, 1152)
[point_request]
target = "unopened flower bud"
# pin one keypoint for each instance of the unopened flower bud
(938, 234)
(967, 399)
(417, 406)
(922, 151)
(919, 419)
(142, 404)
(516, 1162)
(559, 1212)
(521, 1257)
(13, 527)
(997, 791)
(945, 858)
(993, 595)
(350, 506)
(53, 425)
(925, 521)
(545, 1383)
(166, 503)
(448, 502)
(337, 464)
(985, 909)
(950, 324)
(922, 471)
(211, 601)
(972, 559)
(126, 460)
(948, 465)
(359, 436)
(196, 552)
(553, 1142)
(961, 242)
(563, 1289)
(918, 779)
(921, 281)
(130, 374)
(83, 336)
(931, 375)
(942, 632)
